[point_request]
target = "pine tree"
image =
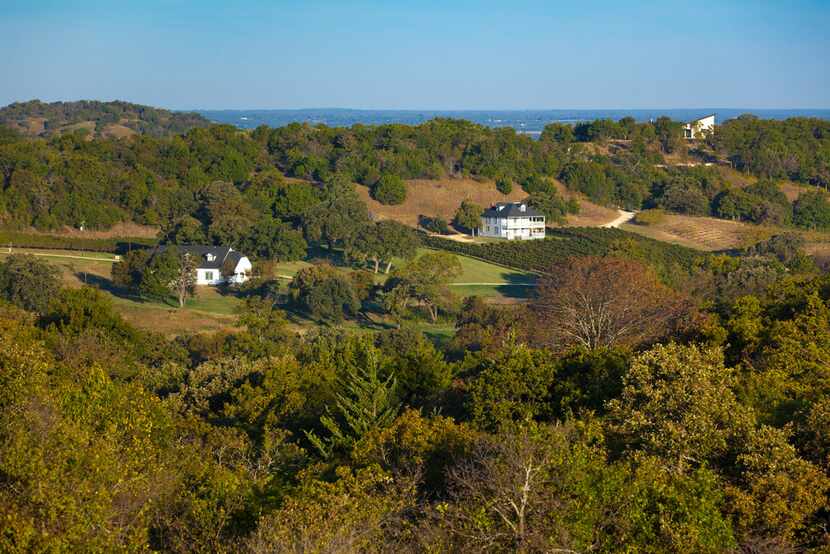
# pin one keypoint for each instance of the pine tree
(367, 402)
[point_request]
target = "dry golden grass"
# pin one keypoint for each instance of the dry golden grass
(438, 197)
(703, 233)
(173, 322)
(442, 197)
(117, 131)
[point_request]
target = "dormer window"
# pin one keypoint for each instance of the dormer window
(210, 257)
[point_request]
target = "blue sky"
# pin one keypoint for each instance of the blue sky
(419, 54)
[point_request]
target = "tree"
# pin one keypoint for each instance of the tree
(170, 273)
(384, 240)
(421, 372)
(336, 220)
(468, 216)
(390, 189)
(603, 302)
(28, 282)
(669, 133)
(812, 210)
(434, 224)
(272, 239)
(589, 178)
(367, 402)
(677, 403)
(553, 206)
(424, 280)
(129, 270)
(511, 387)
(185, 230)
(504, 185)
(183, 284)
(324, 292)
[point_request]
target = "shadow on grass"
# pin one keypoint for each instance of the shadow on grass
(106, 285)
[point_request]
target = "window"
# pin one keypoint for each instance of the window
(208, 275)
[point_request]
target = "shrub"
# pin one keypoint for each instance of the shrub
(504, 185)
(650, 217)
(435, 224)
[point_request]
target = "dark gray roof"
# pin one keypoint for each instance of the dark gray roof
(511, 209)
(200, 254)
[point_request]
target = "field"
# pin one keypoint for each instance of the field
(702, 233)
(214, 310)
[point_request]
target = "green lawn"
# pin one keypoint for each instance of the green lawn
(478, 271)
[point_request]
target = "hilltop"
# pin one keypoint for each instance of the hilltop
(102, 119)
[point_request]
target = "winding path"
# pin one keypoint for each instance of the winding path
(623, 217)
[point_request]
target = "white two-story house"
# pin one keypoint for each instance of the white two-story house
(512, 221)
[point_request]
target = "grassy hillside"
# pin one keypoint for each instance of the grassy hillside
(101, 119)
(431, 197)
(438, 197)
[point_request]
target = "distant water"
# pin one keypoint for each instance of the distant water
(527, 121)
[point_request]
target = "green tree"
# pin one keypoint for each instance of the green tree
(669, 133)
(336, 220)
(325, 293)
(170, 273)
(424, 281)
(28, 282)
(384, 241)
(553, 206)
(504, 185)
(812, 210)
(468, 216)
(390, 189)
(274, 240)
(129, 270)
(367, 402)
(512, 387)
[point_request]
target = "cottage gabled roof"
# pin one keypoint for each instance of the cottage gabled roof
(208, 257)
(511, 209)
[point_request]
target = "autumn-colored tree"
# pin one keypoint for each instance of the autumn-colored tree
(602, 302)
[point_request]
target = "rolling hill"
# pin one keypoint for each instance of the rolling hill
(101, 119)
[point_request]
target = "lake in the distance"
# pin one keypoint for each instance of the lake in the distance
(528, 121)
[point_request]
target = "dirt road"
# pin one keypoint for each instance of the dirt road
(623, 217)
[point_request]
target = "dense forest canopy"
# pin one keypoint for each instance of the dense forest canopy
(69, 180)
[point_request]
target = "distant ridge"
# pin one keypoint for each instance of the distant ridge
(100, 119)
(525, 121)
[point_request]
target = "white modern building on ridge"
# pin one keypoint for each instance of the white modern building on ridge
(512, 221)
(699, 128)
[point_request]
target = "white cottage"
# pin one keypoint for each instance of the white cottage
(699, 128)
(210, 261)
(512, 221)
